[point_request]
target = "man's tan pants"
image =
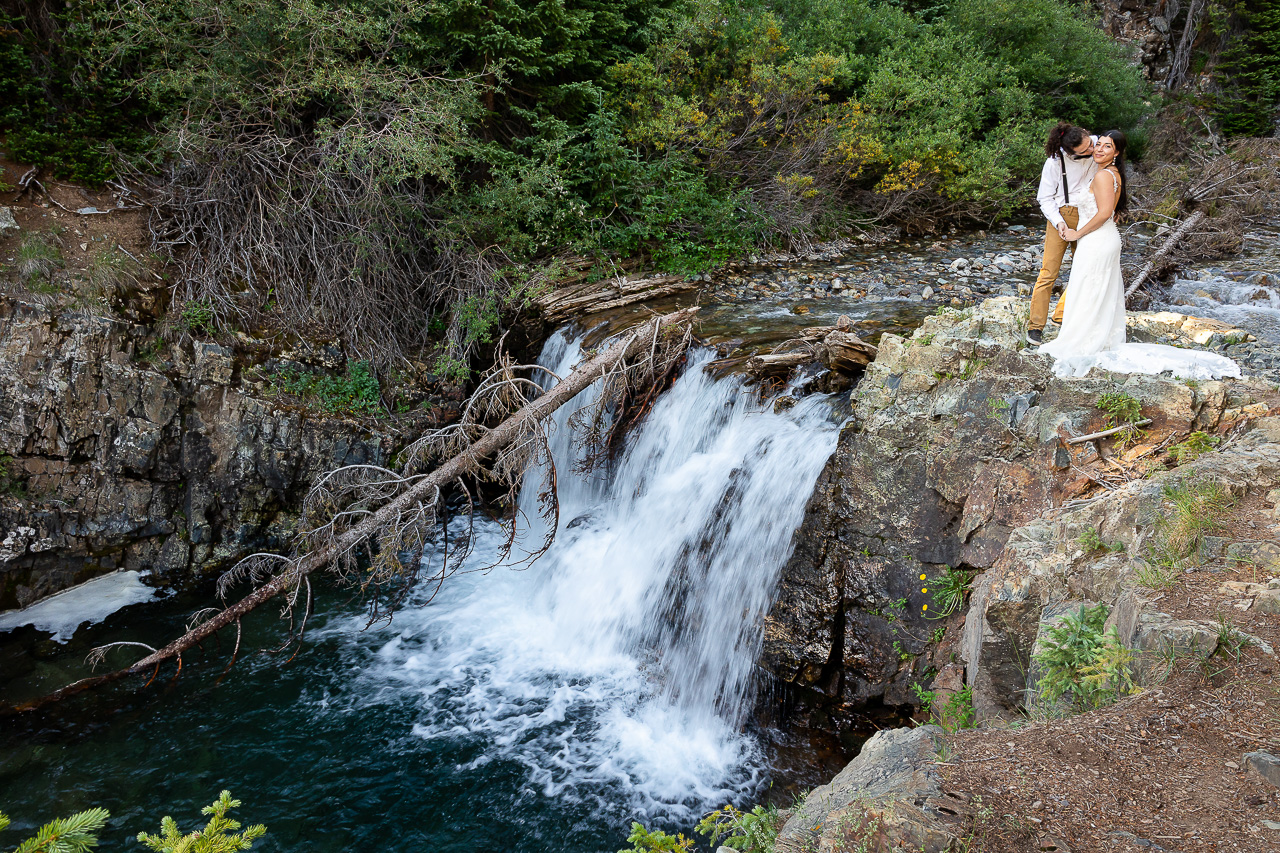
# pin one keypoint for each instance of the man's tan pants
(1054, 248)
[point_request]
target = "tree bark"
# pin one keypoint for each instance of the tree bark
(459, 466)
(1170, 242)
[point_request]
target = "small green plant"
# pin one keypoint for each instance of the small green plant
(755, 831)
(1084, 663)
(925, 340)
(355, 393)
(11, 483)
(1190, 511)
(954, 714)
(38, 258)
(1122, 409)
(861, 831)
(949, 591)
(938, 634)
(644, 841)
(998, 409)
(75, 834)
(1231, 641)
(901, 652)
(1193, 446)
(197, 316)
(1090, 540)
(218, 836)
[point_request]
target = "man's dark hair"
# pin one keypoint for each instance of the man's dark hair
(1065, 137)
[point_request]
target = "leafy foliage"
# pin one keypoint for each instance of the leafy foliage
(1084, 663)
(218, 836)
(954, 714)
(644, 841)
(355, 393)
(755, 831)
(75, 834)
(949, 590)
(1193, 446)
(1248, 70)
(363, 165)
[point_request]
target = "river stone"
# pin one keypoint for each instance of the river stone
(1265, 765)
(894, 780)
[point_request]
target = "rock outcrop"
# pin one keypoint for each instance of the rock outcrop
(113, 462)
(960, 441)
(888, 798)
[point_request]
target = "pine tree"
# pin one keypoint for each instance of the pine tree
(1249, 70)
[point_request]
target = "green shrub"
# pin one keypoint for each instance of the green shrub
(1193, 446)
(755, 831)
(1083, 663)
(1189, 512)
(75, 834)
(218, 836)
(954, 714)
(1122, 410)
(355, 393)
(644, 841)
(197, 316)
(1090, 540)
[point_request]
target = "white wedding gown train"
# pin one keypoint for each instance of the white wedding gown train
(1093, 320)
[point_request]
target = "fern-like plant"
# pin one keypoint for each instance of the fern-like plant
(218, 836)
(75, 834)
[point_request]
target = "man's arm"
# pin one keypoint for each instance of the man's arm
(1047, 196)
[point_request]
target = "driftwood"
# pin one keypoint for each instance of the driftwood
(590, 297)
(1106, 432)
(417, 492)
(1188, 225)
(834, 347)
(778, 364)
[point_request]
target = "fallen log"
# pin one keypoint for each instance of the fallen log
(591, 297)
(1163, 252)
(780, 364)
(422, 489)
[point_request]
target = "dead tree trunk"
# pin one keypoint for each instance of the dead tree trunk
(465, 463)
(1171, 242)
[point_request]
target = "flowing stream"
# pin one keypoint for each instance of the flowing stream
(537, 708)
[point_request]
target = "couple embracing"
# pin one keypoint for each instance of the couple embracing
(1082, 189)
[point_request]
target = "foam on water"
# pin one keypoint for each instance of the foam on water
(90, 602)
(617, 669)
(1252, 304)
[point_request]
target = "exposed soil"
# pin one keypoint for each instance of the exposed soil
(1159, 771)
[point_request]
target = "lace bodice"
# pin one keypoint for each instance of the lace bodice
(1088, 205)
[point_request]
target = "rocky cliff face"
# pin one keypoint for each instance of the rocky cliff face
(118, 461)
(959, 437)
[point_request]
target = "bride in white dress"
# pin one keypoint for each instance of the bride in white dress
(1093, 323)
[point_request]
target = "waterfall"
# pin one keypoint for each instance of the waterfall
(616, 670)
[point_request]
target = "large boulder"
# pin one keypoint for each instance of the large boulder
(888, 798)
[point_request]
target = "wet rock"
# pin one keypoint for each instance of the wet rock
(125, 466)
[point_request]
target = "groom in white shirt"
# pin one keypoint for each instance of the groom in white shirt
(1065, 177)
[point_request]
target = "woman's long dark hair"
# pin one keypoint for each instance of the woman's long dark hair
(1066, 136)
(1122, 201)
